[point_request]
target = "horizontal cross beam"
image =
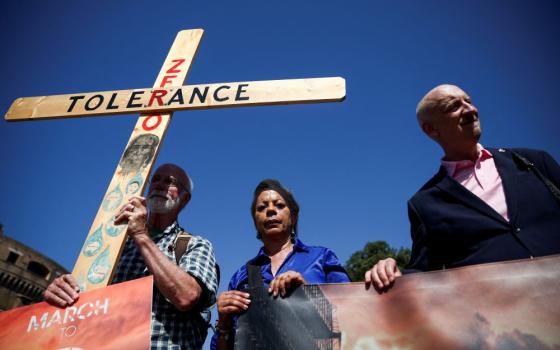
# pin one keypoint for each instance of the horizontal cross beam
(170, 99)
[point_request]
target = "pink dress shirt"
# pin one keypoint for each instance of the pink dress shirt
(481, 178)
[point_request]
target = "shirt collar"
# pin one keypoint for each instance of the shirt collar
(171, 229)
(299, 246)
(452, 167)
(262, 256)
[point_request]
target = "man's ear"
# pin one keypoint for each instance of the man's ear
(430, 131)
(186, 197)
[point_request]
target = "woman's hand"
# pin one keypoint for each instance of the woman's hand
(232, 302)
(283, 282)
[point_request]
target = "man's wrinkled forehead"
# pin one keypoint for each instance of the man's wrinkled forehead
(176, 172)
(446, 90)
(444, 94)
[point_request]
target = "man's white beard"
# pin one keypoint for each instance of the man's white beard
(159, 205)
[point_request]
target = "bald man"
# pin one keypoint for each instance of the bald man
(185, 286)
(484, 205)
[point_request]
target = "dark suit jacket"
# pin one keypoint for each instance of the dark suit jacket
(452, 227)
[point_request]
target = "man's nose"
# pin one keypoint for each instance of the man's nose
(469, 107)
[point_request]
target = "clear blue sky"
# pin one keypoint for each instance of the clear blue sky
(351, 165)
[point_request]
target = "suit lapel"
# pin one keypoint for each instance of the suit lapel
(458, 191)
(508, 173)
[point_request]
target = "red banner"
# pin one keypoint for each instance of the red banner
(115, 317)
(509, 305)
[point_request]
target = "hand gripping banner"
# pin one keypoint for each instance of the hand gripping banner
(502, 306)
(115, 317)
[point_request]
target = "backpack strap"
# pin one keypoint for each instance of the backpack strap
(531, 166)
(181, 242)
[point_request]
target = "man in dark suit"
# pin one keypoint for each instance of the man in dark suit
(484, 205)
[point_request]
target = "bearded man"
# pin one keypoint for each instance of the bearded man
(184, 286)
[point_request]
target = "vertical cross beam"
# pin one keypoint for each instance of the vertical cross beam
(103, 246)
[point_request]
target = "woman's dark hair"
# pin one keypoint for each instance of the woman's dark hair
(274, 185)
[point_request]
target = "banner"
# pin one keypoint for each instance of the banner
(114, 317)
(508, 305)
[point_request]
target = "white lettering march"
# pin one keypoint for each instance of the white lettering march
(70, 314)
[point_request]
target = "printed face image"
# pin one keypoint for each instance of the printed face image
(93, 243)
(99, 272)
(112, 230)
(100, 268)
(92, 247)
(113, 199)
(139, 153)
(132, 188)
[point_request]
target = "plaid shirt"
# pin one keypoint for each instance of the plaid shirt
(171, 328)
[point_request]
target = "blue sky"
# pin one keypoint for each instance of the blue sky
(351, 165)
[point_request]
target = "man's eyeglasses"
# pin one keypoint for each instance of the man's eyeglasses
(168, 181)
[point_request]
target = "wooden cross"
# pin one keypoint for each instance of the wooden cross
(104, 243)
